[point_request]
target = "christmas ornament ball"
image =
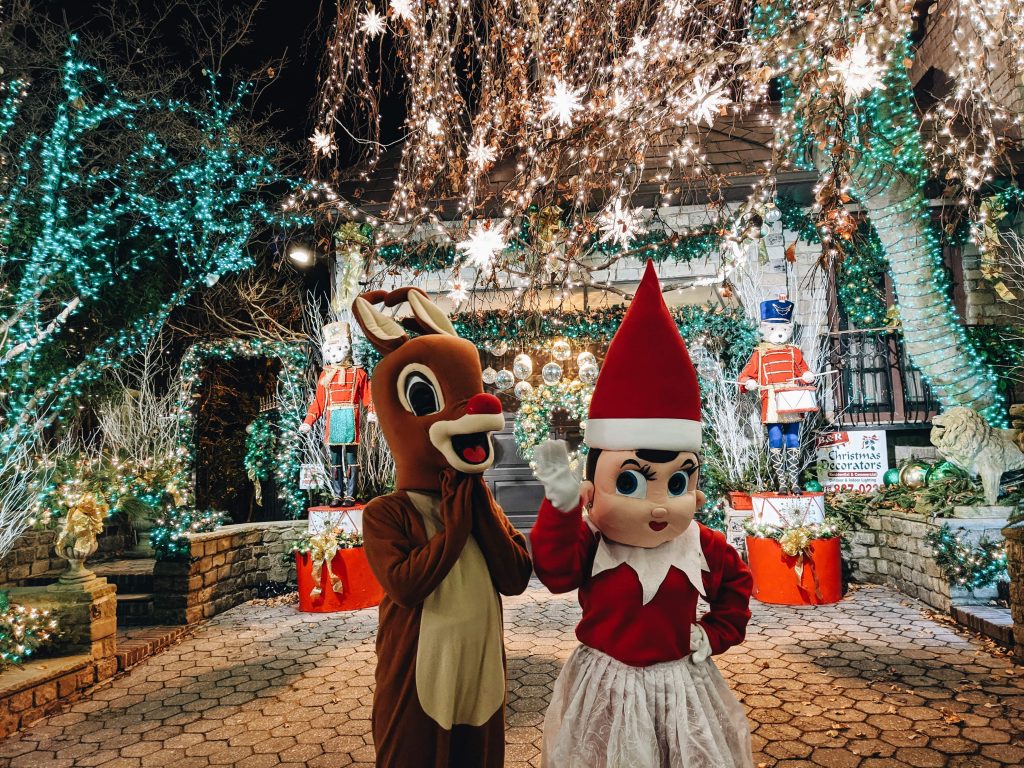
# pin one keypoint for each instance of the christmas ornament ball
(499, 348)
(891, 476)
(522, 366)
(504, 380)
(586, 358)
(551, 373)
(813, 486)
(523, 389)
(943, 471)
(561, 350)
(914, 474)
(489, 375)
(588, 373)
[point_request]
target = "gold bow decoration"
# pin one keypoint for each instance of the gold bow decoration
(796, 542)
(322, 549)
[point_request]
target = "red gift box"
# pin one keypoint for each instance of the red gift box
(360, 588)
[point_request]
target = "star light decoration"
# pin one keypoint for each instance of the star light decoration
(323, 142)
(562, 103)
(458, 293)
(485, 242)
(619, 223)
(859, 71)
(480, 154)
(373, 24)
(403, 9)
(707, 101)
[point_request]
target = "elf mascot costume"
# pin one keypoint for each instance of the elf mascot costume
(641, 689)
(440, 546)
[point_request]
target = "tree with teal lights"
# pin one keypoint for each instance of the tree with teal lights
(97, 250)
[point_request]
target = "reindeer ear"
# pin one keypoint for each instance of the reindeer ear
(428, 315)
(382, 331)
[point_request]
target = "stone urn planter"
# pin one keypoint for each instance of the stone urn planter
(77, 538)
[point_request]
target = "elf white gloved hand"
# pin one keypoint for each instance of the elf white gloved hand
(808, 377)
(700, 646)
(750, 385)
(305, 428)
(561, 484)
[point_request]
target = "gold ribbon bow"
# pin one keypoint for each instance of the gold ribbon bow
(322, 549)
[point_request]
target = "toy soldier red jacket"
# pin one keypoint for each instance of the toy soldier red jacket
(339, 386)
(781, 364)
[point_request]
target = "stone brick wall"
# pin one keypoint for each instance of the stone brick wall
(228, 565)
(1015, 564)
(32, 555)
(892, 550)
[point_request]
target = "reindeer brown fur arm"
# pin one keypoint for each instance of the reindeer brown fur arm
(407, 569)
(504, 548)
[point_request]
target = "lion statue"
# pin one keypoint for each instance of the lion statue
(963, 437)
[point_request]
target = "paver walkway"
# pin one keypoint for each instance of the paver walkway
(871, 682)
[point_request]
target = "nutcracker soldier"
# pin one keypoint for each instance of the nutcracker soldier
(778, 370)
(341, 390)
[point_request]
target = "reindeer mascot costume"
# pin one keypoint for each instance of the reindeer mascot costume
(441, 547)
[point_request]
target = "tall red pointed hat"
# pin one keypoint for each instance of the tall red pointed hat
(647, 394)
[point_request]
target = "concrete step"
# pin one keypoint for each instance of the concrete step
(134, 609)
(130, 576)
(995, 623)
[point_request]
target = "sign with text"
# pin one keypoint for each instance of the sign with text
(854, 460)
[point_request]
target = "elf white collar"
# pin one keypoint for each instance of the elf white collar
(651, 564)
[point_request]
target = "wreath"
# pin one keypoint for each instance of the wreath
(533, 420)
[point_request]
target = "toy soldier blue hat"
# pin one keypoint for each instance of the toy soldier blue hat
(777, 311)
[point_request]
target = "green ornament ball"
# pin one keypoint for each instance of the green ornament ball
(813, 486)
(943, 471)
(891, 476)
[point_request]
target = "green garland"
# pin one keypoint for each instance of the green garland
(23, 631)
(966, 565)
(260, 448)
(170, 538)
(533, 420)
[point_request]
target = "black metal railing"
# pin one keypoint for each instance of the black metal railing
(875, 381)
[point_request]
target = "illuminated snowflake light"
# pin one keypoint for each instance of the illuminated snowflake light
(323, 142)
(619, 223)
(481, 154)
(707, 101)
(562, 103)
(859, 71)
(403, 9)
(458, 293)
(484, 243)
(372, 23)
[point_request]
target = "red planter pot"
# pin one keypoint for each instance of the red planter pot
(775, 576)
(740, 501)
(360, 587)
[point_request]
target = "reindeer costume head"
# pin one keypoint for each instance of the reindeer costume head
(428, 391)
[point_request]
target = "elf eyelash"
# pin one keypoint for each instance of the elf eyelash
(647, 472)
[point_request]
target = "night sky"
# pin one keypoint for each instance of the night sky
(299, 28)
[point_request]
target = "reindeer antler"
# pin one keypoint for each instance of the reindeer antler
(387, 334)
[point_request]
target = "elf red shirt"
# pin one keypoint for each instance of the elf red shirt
(615, 619)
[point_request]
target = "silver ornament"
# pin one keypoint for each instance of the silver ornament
(561, 350)
(504, 380)
(588, 374)
(551, 373)
(523, 389)
(584, 359)
(522, 366)
(499, 348)
(489, 374)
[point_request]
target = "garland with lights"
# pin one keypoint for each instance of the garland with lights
(170, 538)
(533, 419)
(964, 564)
(260, 449)
(23, 631)
(287, 458)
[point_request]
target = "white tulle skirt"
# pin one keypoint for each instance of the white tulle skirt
(606, 714)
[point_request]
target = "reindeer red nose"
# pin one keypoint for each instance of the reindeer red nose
(483, 403)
